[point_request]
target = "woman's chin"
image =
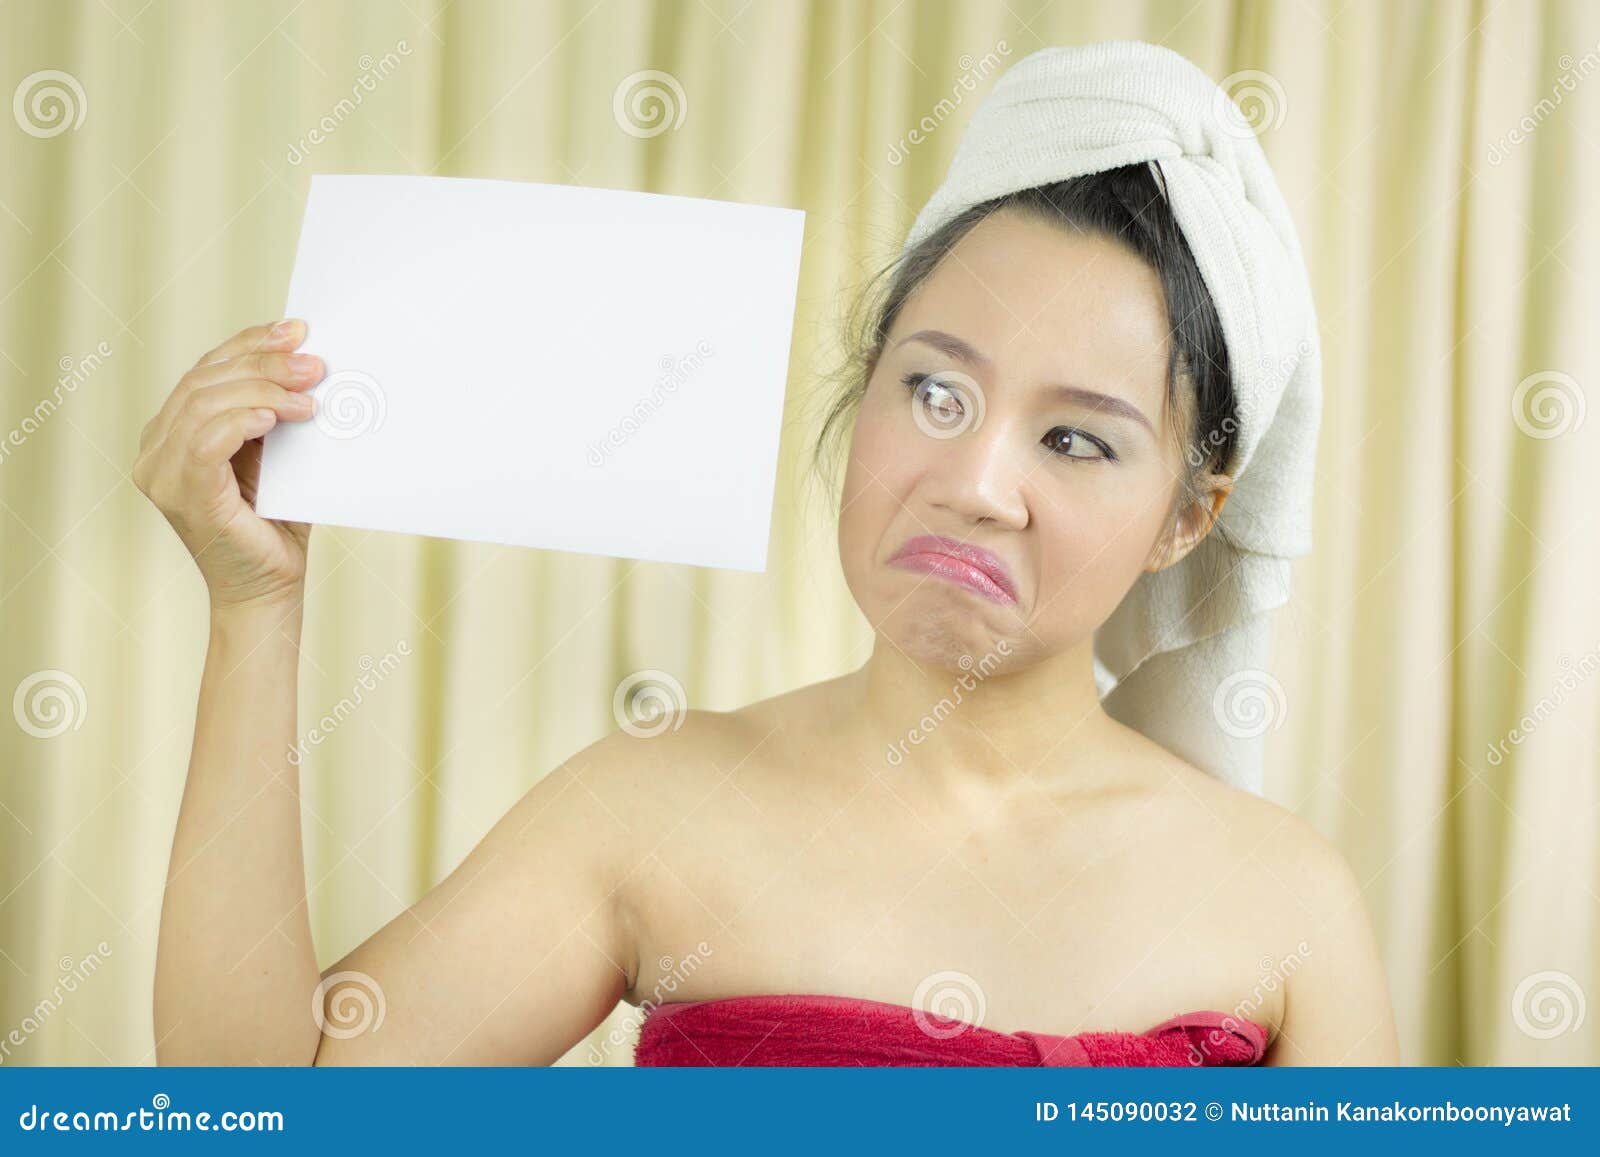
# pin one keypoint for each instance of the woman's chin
(949, 636)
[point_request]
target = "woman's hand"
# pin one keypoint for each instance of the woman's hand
(200, 458)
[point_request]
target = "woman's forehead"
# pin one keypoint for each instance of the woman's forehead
(1048, 304)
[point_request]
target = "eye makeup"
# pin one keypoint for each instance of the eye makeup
(1058, 439)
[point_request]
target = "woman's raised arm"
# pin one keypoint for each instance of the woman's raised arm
(512, 958)
(516, 955)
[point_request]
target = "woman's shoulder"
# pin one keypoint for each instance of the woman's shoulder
(1310, 914)
(669, 753)
(1247, 823)
(1275, 862)
(1307, 861)
(766, 735)
(665, 769)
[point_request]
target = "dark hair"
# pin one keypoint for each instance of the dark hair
(1126, 204)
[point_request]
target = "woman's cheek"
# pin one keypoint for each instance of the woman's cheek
(884, 459)
(876, 428)
(1091, 564)
(867, 501)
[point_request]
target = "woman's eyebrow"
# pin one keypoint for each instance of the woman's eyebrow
(1103, 404)
(950, 344)
(1093, 399)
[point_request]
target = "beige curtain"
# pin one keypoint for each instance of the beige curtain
(1440, 707)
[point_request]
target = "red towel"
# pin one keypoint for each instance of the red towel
(842, 1030)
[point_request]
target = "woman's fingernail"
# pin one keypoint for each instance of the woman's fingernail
(298, 403)
(304, 365)
(282, 330)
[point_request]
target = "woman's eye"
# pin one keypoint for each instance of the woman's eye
(947, 404)
(1069, 442)
(934, 394)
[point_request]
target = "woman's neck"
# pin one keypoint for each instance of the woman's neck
(985, 726)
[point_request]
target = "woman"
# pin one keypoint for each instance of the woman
(846, 864)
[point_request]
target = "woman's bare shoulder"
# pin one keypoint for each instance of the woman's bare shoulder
(1240, 822)
(658, 763)
(1277, 864)
(1282, 899)
(1309, 910)
(662, 770)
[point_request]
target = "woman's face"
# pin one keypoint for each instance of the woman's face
(1018, 408)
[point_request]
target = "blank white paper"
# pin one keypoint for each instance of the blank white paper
(577, 369)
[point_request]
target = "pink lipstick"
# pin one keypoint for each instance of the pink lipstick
(959, 562)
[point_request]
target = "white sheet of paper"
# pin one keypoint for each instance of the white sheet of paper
(578, 369)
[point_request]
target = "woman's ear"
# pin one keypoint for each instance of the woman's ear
(1194, 521)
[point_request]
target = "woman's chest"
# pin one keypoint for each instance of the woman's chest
(1011, 930)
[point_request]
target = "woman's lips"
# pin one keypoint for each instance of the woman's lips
(960, 562)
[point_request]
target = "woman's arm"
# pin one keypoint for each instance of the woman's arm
(234, 961)
(234, 943)
(1336, 999)
(518, 953)
(514, 957)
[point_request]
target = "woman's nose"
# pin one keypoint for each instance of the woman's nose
(979, 474)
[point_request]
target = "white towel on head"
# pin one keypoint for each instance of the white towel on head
(1070, 111)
